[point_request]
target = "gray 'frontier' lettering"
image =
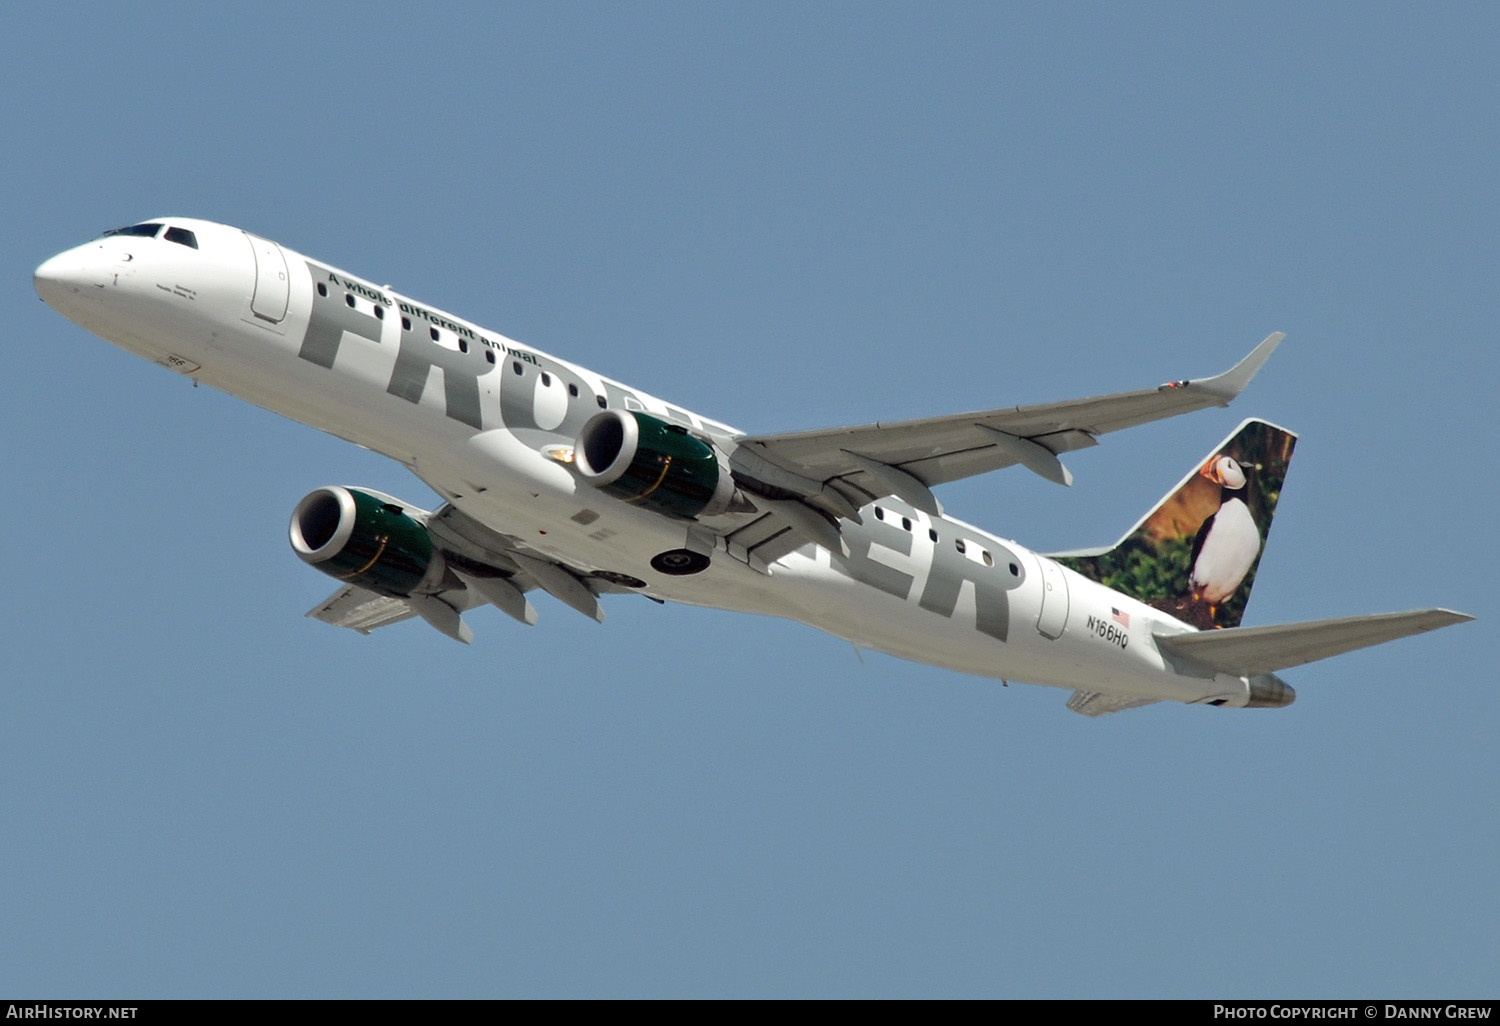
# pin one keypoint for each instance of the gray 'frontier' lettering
(860, 539)
(414, 363)
(328, 321)
(950, 568)
(416, 356)
(518, 392)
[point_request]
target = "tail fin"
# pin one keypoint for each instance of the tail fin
(1194, 555)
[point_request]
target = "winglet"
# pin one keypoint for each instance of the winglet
(1233, 381)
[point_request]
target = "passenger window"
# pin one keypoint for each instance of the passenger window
(879, 513)
(489, 354)
(546, 380)
(932, 534)
(463, 345)
(515, 365)
(573, 391)
(989, 560)
(322, 289)
(906, 523)
(349, 299)
(958, 543)
(182, 237)
(379, 312)
(434, 333)
(406, 324)
(601, 401)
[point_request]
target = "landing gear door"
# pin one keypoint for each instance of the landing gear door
(272, 285)
(1054, 614)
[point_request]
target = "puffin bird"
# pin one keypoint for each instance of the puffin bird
(1228, 542)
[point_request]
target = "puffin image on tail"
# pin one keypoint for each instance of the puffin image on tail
(1194, 554)
(1228, 543)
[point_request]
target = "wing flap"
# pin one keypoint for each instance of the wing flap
(1099, 703)
(462, 535)
(1250, 651)
(360, 610)
(763, 541)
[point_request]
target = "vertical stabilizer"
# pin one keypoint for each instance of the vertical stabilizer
(1194, 555)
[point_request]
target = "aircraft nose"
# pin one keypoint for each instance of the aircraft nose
(69, 273)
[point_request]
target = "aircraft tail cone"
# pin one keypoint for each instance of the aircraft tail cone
(1269, 691)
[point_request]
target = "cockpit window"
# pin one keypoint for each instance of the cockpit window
(147, 230)
(182, 236)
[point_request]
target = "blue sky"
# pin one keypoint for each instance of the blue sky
(782, 217)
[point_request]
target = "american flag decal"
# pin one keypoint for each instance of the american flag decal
(1123, 619)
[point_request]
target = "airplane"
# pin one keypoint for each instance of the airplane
(558, 480)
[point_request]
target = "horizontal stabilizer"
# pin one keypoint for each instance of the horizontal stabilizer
(1249, 651)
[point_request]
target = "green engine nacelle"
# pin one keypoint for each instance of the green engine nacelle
(365, 538)
(640, 459)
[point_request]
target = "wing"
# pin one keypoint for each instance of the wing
(483, 566)
(842, 469)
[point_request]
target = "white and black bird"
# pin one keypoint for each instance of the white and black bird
(1228, 542)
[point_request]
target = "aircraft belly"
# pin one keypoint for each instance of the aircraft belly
(1079, 658)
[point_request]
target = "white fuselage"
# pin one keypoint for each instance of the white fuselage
(470, 413)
